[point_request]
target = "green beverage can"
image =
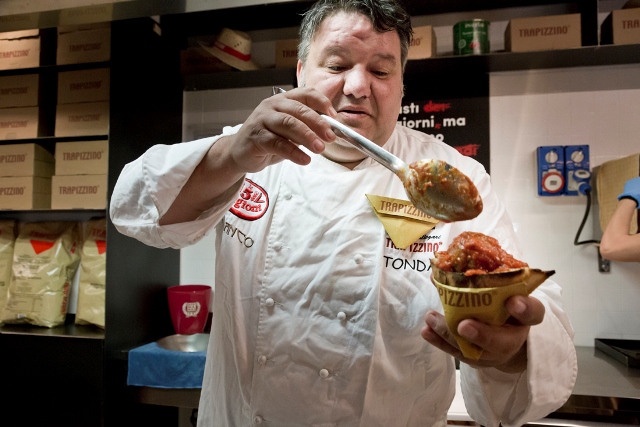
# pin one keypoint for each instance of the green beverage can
(471, 37)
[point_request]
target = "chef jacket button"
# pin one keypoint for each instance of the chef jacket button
(358, 259)
(342, 315)
(270, 302)
(287, 196)
(323, 373)
(262, 359)
(257, 419)
(277, 246)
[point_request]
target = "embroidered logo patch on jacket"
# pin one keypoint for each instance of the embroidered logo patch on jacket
(252, 202)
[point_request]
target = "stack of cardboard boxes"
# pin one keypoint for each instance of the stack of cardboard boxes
(19, 94)
(19, 106)
(80, 180)
(83, 103)
(25, 177)
(83, 96)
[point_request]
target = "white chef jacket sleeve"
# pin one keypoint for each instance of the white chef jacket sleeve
(494, 398)
(148, 186)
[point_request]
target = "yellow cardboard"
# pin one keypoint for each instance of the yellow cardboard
(403, 222)
(484, 304)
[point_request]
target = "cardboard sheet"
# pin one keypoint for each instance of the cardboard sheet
(610, 183)
(403, 222)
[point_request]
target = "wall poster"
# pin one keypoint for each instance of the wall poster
(453, 108)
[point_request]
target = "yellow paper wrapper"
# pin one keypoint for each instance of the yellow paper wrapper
(403, 222)
(480, 302)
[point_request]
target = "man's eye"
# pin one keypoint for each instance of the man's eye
(336, 67)
(380, 73)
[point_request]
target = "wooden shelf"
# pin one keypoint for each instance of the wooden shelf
(513, 61)
(44, 69)
(53, 214)
(68, 330)
(237, 79)
(491, 62)
(49, 142)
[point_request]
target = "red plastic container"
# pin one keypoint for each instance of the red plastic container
(189, 308)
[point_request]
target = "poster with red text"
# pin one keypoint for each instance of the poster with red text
(454, 110)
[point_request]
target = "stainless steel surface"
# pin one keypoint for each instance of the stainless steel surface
(187, 343)
(548, 422)
(605, 391)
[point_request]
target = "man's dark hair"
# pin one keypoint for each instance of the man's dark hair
(385, 15)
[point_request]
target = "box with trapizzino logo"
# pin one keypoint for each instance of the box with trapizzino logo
(19, 49)
(79, 192)
(25, 193)
(543, 33)
(83, 43)
(82, 158)
(25, 160)
(19, 91)
(82, 118)
(622, 26)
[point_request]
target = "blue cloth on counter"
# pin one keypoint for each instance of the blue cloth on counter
(153, 366)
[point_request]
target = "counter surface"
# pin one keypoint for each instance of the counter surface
(601, 375)
(606, 390)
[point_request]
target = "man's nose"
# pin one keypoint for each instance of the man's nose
(357, 83)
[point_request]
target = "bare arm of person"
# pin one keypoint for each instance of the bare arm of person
(617, 244)
(272, 133)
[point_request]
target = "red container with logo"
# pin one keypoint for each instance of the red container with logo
(189, 308)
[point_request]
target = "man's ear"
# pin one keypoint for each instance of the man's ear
(300, 73)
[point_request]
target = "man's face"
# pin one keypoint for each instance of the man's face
(359, 70)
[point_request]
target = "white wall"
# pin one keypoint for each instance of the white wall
(598, 106)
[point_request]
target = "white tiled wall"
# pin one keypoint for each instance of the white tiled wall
(598, 106)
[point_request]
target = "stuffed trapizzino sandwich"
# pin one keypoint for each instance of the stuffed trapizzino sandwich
(475, 277)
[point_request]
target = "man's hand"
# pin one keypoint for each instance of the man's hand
(272, 133)
(505, 347)
(276, 128)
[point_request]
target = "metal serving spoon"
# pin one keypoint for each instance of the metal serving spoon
(433, 186)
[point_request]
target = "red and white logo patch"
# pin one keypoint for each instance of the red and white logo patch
(252, 202)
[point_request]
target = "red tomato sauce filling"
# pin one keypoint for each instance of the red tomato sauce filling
(476, 253)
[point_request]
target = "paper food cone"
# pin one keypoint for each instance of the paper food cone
(481, 297)
(402, 221)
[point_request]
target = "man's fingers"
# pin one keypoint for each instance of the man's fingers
(437, 324)
(526, 310)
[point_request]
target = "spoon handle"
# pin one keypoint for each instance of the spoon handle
(379, 154)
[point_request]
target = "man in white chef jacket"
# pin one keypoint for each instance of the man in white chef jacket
(319, 319)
